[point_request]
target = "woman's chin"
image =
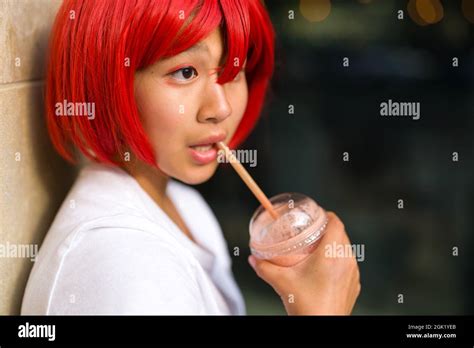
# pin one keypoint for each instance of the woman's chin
(198, 174)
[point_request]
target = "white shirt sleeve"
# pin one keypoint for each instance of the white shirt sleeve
(125, 271)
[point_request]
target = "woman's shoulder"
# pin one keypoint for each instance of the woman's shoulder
(99, 193)
(115, 236)
(108, 252)
(114, 265)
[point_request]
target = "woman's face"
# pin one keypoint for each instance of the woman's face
(185, 111)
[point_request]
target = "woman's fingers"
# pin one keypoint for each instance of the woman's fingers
(269, 272)
(335, 229)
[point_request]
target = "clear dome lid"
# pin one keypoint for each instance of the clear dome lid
(300, 222)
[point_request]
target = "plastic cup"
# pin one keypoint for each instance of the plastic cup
(293, 235)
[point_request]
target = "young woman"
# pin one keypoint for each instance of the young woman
(144, 89)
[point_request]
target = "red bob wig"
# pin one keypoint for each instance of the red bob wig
(96, 47)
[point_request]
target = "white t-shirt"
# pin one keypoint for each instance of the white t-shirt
(112, 250)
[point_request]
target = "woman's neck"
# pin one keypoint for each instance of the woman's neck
(151, 179)
(154, 183)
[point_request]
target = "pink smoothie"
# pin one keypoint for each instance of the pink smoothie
(294, 235)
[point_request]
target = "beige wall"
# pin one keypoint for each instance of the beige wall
(33, 179)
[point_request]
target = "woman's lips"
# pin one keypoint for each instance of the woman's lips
(203, 154)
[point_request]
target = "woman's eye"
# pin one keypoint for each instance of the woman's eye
(185, 74)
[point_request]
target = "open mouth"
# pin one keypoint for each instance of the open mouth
(203, 154)
(203, 148)
(205, 151)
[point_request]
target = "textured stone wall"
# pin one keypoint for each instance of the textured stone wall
(33, 178)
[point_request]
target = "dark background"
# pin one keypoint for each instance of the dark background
(407, 251)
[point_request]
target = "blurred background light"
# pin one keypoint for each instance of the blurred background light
(468, 9)
(315, 10)
(425, 12)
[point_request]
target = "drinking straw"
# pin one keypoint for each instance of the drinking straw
(248, 180)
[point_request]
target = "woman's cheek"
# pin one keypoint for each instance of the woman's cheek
(239, 95)
(165, 120)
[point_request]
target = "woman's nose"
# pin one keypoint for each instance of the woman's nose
(215, 107)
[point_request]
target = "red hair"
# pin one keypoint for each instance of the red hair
(92, 42)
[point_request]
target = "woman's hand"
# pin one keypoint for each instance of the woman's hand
(319, 284)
